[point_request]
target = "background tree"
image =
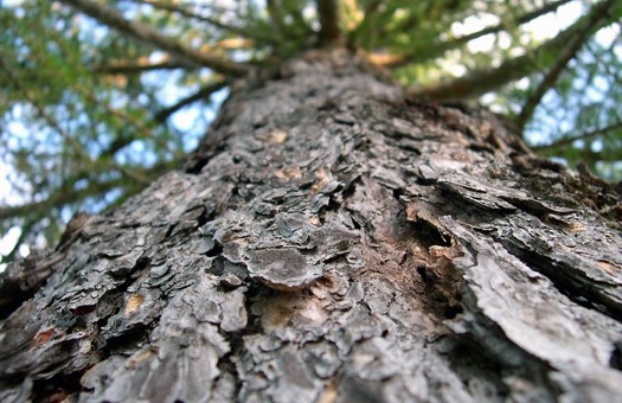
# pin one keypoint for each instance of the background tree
(333, 237)
(100, 98)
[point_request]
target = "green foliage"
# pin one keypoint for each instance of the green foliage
(93, 110)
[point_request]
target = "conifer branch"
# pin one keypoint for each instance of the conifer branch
(149, 35)
(202, 93)
(478, 82)
(60, 198)
(566, 141)
(419, 55)
(134, 67)
(550, 78)
(276, 16)
(127, 119)
(77, 148)
(168, 63)
(184, 11)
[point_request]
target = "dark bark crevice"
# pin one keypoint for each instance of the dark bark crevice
(569, 280)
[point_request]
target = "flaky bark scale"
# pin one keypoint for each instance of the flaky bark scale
(332, 241)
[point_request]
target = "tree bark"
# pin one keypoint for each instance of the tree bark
(331, 241)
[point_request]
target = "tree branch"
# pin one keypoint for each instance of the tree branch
(71, 142)
(202, 93)
(566, 141)
(550, 78)
(139, 66)
(128, 119)
(479, 82)
(65, 195)
(328, 12)
(132, 67)
(437, 49)
(40, 110)
(61, 197)
(149, 35)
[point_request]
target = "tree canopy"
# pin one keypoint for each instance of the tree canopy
(100, 98)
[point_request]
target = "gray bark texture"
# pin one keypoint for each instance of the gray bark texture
(331, 241)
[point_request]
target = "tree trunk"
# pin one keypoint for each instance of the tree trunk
(331, 241)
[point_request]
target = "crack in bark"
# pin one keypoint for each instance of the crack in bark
(565, 279)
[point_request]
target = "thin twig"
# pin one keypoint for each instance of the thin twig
(125, 117)
(59, 198)
(132, 67)
(566, 141)
(202, 93)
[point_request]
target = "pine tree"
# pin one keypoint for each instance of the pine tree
(335, 237)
